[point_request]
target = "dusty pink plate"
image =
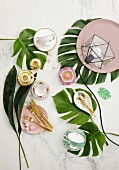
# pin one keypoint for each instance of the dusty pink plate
(109, 31)
(33, 127)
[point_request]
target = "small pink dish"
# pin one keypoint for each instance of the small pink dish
(31, 127)
(67, 75)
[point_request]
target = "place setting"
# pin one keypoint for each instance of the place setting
(85, 58)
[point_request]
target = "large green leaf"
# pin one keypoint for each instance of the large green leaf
(68, 48)
(19, 100)
(94, 139)
(8, 95)
(24, 46)
(65, 104)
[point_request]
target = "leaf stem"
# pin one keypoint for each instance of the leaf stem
(19, 156)
(23, 151)
(114, 134)
(7, 39)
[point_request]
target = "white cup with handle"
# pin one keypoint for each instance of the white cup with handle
(46, 39)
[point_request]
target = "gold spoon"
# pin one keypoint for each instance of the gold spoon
(82, 100)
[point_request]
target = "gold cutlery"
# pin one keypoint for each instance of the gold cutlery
(30, 119)
(82, 100)
(36, 111)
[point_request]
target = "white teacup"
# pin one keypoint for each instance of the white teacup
(45, 40)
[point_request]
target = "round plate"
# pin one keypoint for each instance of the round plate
(40, 90)
(109, 31)
(80, 105)
(35, 128)
(45, 39)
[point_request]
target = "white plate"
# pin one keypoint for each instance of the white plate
(45, 39)
(87, 99)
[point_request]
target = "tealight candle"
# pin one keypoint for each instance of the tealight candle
(25, 78)
(35, 64)
(67, 75)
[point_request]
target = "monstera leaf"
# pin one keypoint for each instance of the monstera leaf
(67, 55)
(104, 93)
(24, 46)
(94, 139)
(65, 105)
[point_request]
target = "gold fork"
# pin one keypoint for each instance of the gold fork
(30, 119)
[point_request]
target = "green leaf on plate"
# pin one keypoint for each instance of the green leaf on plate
(8, 95)
(24, 46)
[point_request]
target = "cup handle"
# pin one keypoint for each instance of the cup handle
(66, 139)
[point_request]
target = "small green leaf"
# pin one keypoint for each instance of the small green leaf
(104, 93)
(8, 95)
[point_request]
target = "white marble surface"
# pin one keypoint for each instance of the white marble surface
(45, 151)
